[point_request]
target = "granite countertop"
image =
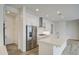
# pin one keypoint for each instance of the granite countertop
(52, 41)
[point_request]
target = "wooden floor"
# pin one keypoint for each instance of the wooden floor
(71, 49)
(33, 51)
(13, 50)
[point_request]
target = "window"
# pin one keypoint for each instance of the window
(41, 22)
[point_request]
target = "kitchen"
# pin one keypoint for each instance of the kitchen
(49, 34)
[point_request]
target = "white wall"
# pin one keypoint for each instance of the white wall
(1, 24)
(72, 28)
(20, 29)
(67, 29)
(60, 29)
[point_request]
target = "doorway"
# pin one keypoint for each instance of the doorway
(10, 29)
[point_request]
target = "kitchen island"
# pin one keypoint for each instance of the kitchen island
(51, 45)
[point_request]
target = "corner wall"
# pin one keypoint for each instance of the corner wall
(1, 24)
(73, 29)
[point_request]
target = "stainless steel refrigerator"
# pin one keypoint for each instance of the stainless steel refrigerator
(31, 37)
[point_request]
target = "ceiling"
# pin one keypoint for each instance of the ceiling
(49, 11)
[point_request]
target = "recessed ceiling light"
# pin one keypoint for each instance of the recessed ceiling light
(59, 13)
(37, 9)
(8, 12)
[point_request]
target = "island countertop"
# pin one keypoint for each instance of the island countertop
(52, 40)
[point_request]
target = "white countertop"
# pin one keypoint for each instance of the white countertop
(52, 40)
(41, 37)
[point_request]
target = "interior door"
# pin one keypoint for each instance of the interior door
(9, 29)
